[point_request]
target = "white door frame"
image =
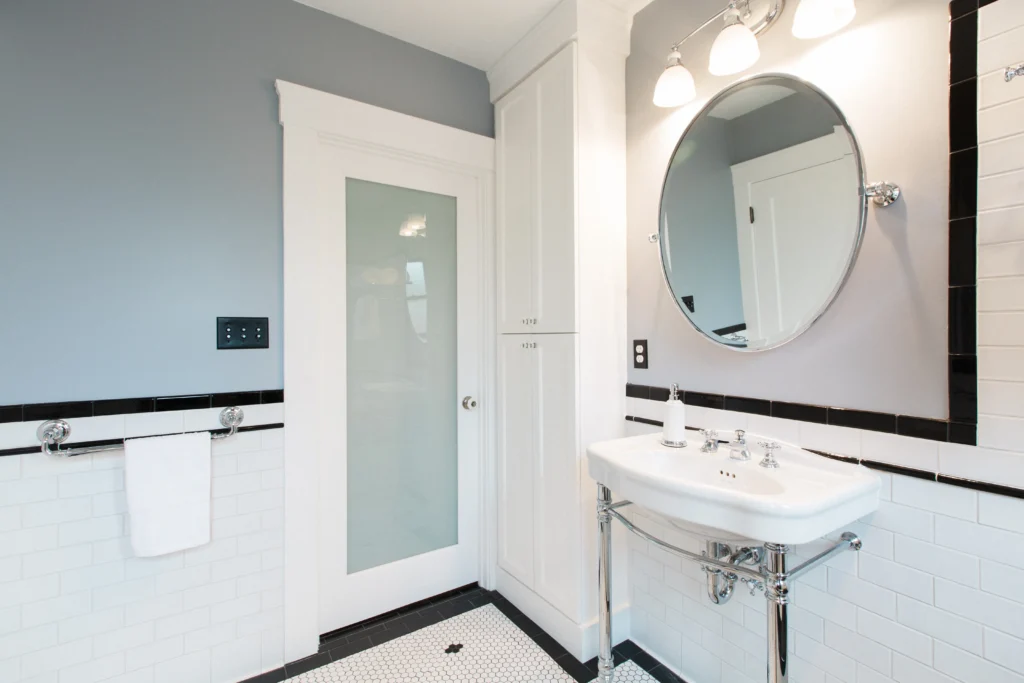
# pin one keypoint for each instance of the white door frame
(312, 120)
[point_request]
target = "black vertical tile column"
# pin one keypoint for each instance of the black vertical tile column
(963, 211)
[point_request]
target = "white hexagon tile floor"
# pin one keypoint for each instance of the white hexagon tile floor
(480, 646)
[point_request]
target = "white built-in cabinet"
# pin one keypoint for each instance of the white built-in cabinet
(538, 513)
(536, 200)
(561, 355)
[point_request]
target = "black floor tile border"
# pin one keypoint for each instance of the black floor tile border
(892, 469)
(351, 640)
(110, 442)
(66, 410)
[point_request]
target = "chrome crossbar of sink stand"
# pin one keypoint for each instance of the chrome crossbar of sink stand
(774, 573)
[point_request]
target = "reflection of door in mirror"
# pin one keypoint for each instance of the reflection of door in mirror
(791, 248)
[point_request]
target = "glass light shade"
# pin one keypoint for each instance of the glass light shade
(734, 50)
(675, 86)
(817, 18)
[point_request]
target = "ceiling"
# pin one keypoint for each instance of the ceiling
(748, 99)
(475, 32)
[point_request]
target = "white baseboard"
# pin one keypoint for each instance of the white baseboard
(579, 639)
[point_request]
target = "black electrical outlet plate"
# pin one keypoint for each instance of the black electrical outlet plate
(640, 354)
(243, 333)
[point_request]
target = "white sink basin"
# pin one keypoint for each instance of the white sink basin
(807, 497)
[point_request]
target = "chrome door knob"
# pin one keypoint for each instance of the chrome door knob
(469, 403)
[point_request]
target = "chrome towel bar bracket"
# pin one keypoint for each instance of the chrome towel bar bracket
(56, 432)
(1014, 71)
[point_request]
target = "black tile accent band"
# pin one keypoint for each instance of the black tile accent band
(66, 410)
(922, 428)
(110, 442)
(897, 469)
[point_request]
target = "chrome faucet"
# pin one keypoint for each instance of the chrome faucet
(769, 454)
(710, 441)
(738, 447)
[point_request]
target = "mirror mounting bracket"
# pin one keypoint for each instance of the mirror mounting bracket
(883, 193)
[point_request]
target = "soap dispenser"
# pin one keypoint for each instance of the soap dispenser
(674, 433)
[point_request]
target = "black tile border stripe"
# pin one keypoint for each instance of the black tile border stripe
(66, 410)
(110, 442)
(351, 640)
(893, 469)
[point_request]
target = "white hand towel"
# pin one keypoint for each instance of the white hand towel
(167, 479)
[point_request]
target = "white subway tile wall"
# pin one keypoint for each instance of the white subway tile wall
(936, 594)
(1000, 228)
(77, 607)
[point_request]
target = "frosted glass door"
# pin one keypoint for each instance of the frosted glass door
(400, 301)
(402, 373)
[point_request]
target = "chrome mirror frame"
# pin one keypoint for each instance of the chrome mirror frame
(865, 191)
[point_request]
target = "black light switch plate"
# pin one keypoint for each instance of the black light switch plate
(243, 333)
(640, 354)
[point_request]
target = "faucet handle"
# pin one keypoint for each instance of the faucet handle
(741, 436)
(710, 441)
(769, 454)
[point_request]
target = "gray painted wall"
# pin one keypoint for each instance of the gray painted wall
(779, 125)
(700, 210)
(140, 183)
(882, 345)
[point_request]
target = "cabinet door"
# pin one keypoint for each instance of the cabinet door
(556, 494)
(554, 239)
(536, 200)
(516, 133)
(517, 453)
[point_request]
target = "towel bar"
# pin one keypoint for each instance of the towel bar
(56, 432)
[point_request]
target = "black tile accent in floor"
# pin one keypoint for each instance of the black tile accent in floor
(372, 632)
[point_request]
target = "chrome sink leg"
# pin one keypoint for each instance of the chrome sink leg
(776, 590)
(605, 665)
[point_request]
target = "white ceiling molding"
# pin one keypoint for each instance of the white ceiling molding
(600, 24)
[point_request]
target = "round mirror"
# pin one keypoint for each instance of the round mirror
(762, 212)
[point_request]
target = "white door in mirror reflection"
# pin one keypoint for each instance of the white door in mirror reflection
(791, 249)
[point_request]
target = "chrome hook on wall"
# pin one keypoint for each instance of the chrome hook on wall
(1014, 71)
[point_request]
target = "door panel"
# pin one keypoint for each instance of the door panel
(517, 445)
(798, 249)
(398, 501)
(402, 367)
(556, 525)
(536, 133)
(554, 239)
(516, 203)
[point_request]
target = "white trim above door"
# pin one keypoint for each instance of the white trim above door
(320, 128)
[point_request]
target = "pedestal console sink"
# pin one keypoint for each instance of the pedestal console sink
(803, 499)
(798, 498)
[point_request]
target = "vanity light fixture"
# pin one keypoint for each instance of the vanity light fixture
(675, 87)
(734, 50)
(817, 18)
